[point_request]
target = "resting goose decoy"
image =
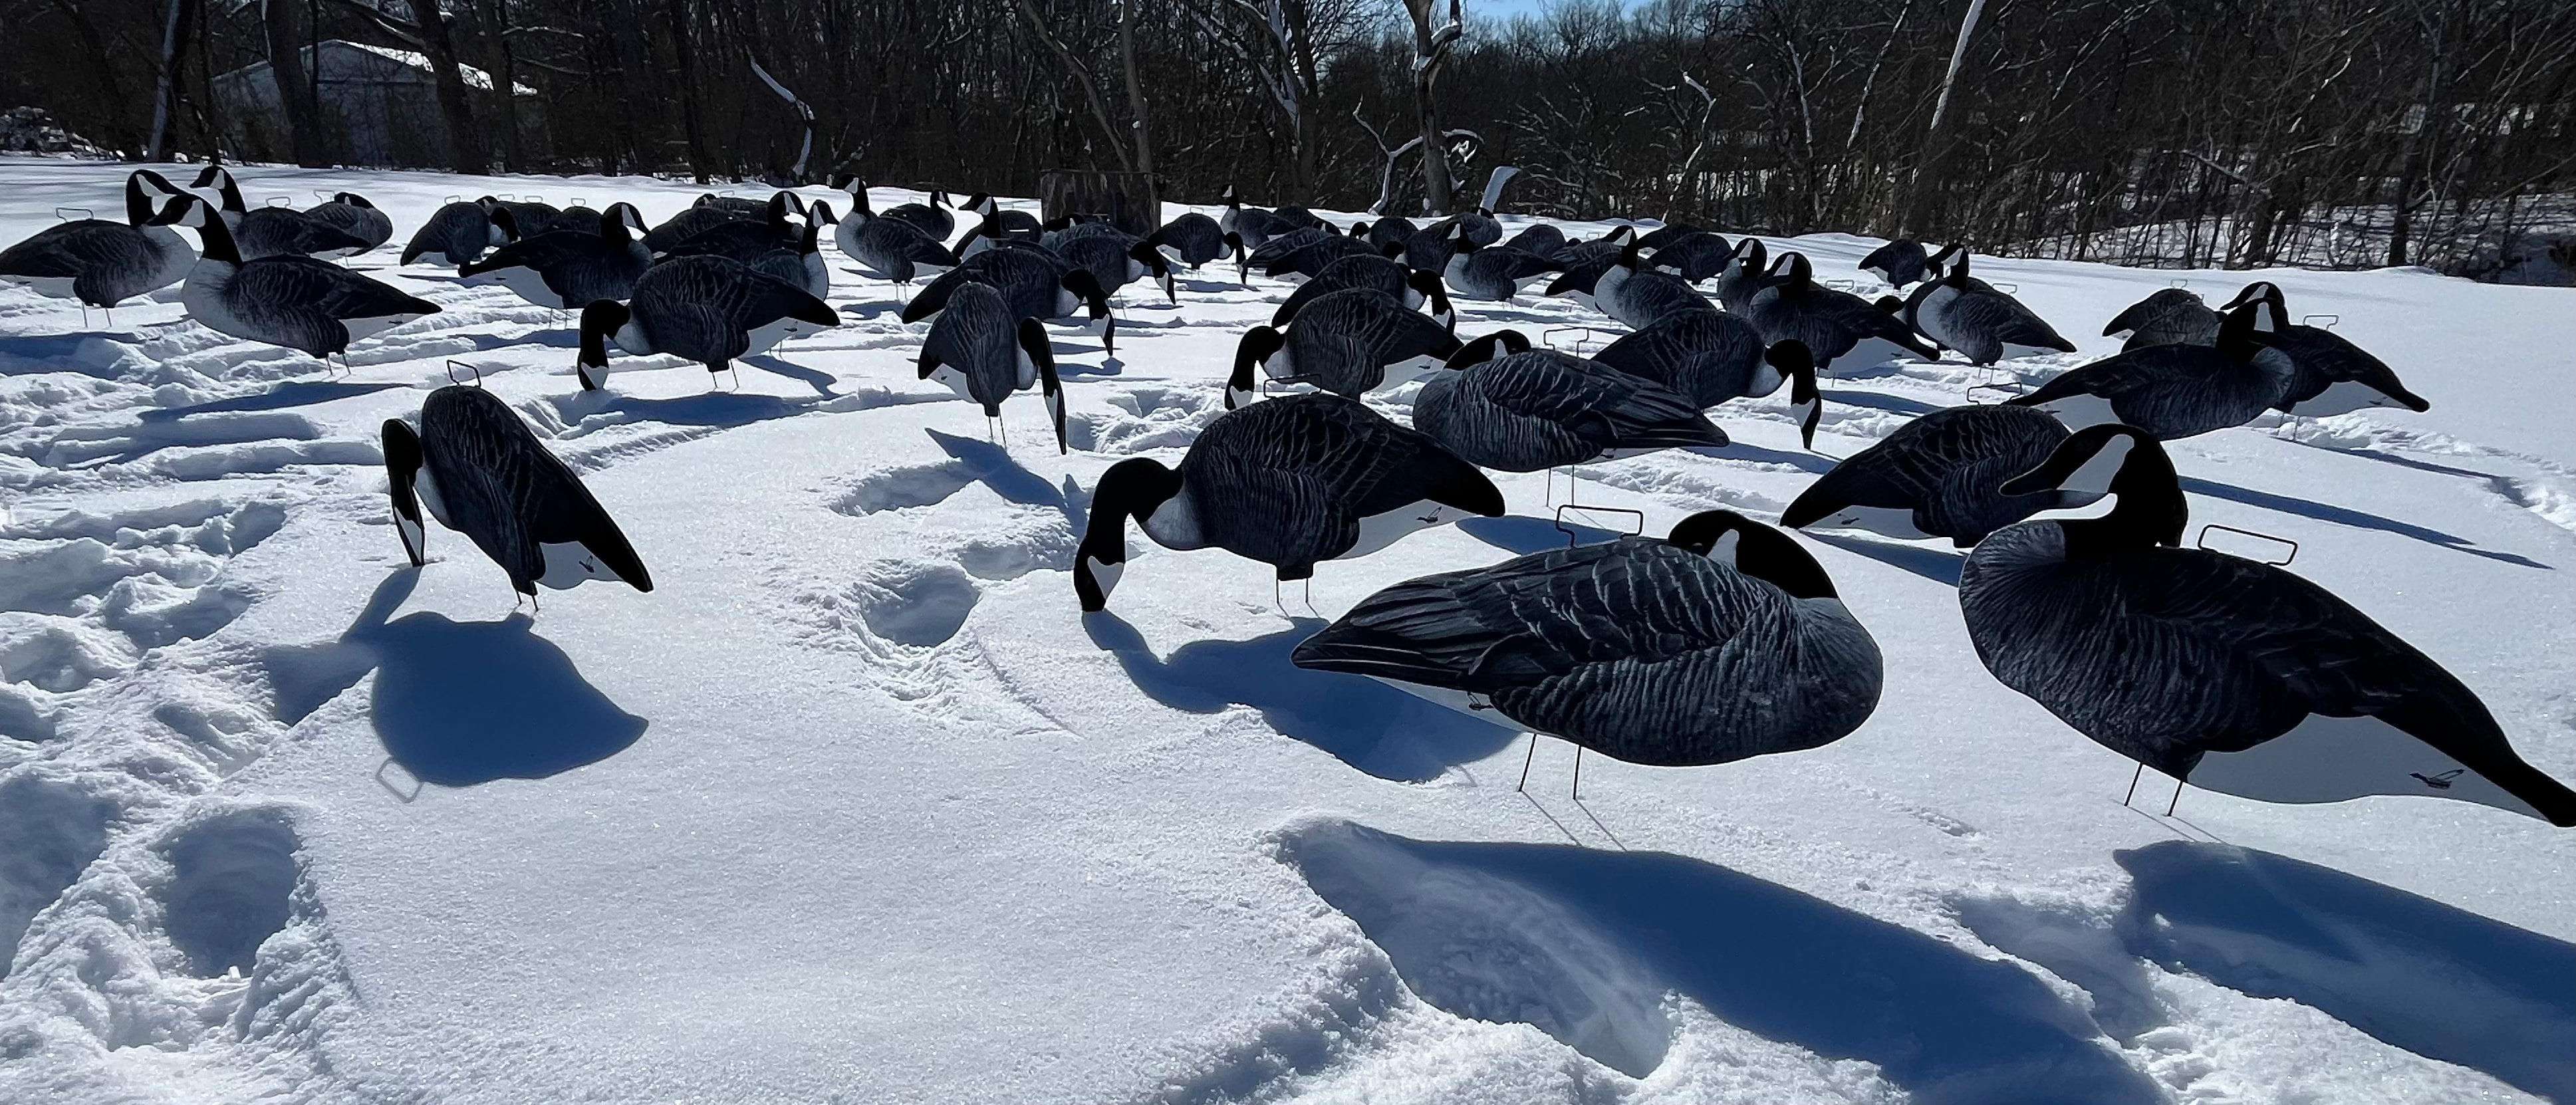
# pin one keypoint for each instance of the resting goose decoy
(480, 472)
(2332, 376)
(1390, 230)
(1940, 475)
(709, 212)
(275, 231)
(934, 219)
(887, 248)
(2178, 391)
(1383, 274)
(2225, 673)
(1832, 324)
(1584, 263)
(1195, 239)
(527, 216)
(1655, 239)
(456, 234)
(1539, 240)
(1348, 343)
(1494, 273)
(2170, 316)
(286, 299)
(1282, 243)
(800, 261)
(1539, 408)
(1694, 257)
(577, 217)
(1003, 222)
(350, 213)
(1637, 296)
(1312, 258)
(1722, 642)
(1291, 482)
(985, 352)
(1900, 262)
(1038, 283)
(1985, 325)
(1744, 275)
(569, 269)
(101, 262)
(711, 310)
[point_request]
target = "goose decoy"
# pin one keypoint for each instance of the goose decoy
(1743, 277)
(1694, 257)
(1252, 224)
(1348, 343)
(711, 310)
(1038, 283)
(1585, 262)
(1195, 239)
(1307, 260)
(480, 472)
(528, 216)
(1635, 295)
(1291, 483)
(1655, 239)
(799, 262)
(771, 245)
(1539, 408)
(1900, 262)
(1004, 223)
(1281, 243)
(569, 269)
(274, 231)
(935, 220)
(2225, 673)
(2332, 376)
(456, 234)
(1832, 324)
(578, 217)
(984, 351)
(102, 262)
(1390, 230)
(1710, 357)
(887, 248)
(744, 239)
(1985, 325)
(1113, 257)
(286, 299)
(1539, 240)
(350, 213)
(1490, 273)
(1940, 475)
(1724, 641)
(710, 211)
(2170, 316)
(740, 207)
(2178, 391)
(1383, 274)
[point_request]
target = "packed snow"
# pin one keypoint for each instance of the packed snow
(856, 806)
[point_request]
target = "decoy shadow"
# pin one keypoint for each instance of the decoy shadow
(1932, 564)
(2346, 516)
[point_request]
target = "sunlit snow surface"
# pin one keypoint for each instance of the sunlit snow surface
(856, 807)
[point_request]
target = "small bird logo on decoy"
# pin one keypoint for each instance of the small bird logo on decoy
(2441, 781)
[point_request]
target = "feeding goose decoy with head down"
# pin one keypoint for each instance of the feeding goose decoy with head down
(1417, 290)
(1900, 262)
(1038, 283)
(2329, 375)
(101, 262)
(1710, 357)
(1540, 408)
(888, 248)
(1940, 475)
(2228, 674)
(1636, 295)
(459, 233)
(353, 215)
(1348, 343)
(1722, 642)
(286, 299)
(710, 211)
(985, 352)
(2177, 391)
(1194, 239)
(1113, 257)
(1694, 257)
(1984, 324)
(1290, 482)
(712, 310)
(2171, 316)
(569, 269)
(1833, 325)
(476, 467)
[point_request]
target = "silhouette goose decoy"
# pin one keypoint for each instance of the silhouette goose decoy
(1744, 275)
(1833, 325)
(887, 248)
(712, 310)
(1722, 642)
(352, 214)
(1290, 483)
(2178, 391)
(2331, 376)
(1113, 257)
(1492, 273)
(1539, 240)
(1540, 408)
(1940, 475)
(101, 262)
(2225, 673)
(984, 351)
(1900, 262)
(710, 211)
(479, 470)
(1710, 357)
(569, 269)
(1636, 295)
(1416, 289)
(272, 231)
(1348, 343)
(456, 234)
(1194, 239)
(2170, 316)
(1984, 324)
(1694, 257)
(1038, 283)
(286, 299)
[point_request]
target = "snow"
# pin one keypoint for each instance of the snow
(856, 806)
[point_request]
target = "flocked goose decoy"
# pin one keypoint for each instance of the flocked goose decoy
(352, 214)
(887, 248)
(1540, 408)
(2332, 376)
(272, 231)
(1983, 323)
(480, 472)
(1722, 642)
(569, 269)
(2177, 391)
(286, 299)
(1347, 343)
(1900, 262)
(1833, 325)
(1290, 482)
(459, 233)
(101, 262)
(711, 310)
(981, 349)
(2225, 673)
(1940, 475)
(1383, 274)
(2171, 316)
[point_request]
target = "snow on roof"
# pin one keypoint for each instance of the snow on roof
(474, 78)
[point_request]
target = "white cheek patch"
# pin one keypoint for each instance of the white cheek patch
(2081, 410)
(631, 338)
(569, 564)
(426, 488)
(415, 540)
(1723, 551)
(1105, 574)
(1055, 408)
(2095, 476)
(1240, 397)
(1281, 365)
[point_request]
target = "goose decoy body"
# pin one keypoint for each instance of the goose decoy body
(1348, 343)
(1290, 482)
(456, 234)
(1195, 239)
(1655, 239)
(2228, 674)
(1722, 642)
(1636, 295)
(1307, 260)
(887, 248)
(740, 207)
(576, 217)
(744, 239)
(2331, 376)
(1281, 243)
(934, 219)
(102, 262)
(569, 269)
(526, 216)
(286, 299)
(1744, 275)
(272, 231)
(1493, 273)
(1539, 240)
(709, 212)
(1833, 325)
(799, 262)
(1038, 283)
(2170, 316)
(1390, 230)
(1694, 257)
(711, 310)
(1113, 257)
(1900, 262)
(1540, 408)
(1584, 263)
(2178, 391)
(1384, 274)
(1940, 475)
(1252, 224)
(1984, 324)
(980, 348)
(480, 472)
(1710, 357)
(1004, 222)
(350, 213)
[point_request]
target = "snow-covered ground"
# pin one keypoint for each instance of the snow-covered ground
(857, 807)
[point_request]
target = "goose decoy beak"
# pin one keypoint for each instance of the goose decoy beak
(402, 473)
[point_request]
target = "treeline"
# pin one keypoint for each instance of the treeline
(2204, 132)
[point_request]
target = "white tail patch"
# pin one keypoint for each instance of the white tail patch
(1886, 521)
(2331, 759)
(1378, 531)
(570, 563)
(2344, 397)
(2082, 409)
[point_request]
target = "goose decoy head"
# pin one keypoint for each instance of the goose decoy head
(1086, 288)
(821, 214)
(402, 475)
(1135, 488)
(2116, 460)
(1259, 344)
(1754, 549)
(353, 199)
(600, 323)
(1622, 232)
(216, 239)
(2238, 326)
(1428, 291)
(151, 201)
(1492, 347)
(621, 223)
(1242, 258)
(1360, 229)
(1231, 204)
(503, 221)
(1797, 365)
(2259, 290)
(1792, 269)
(1158, 265)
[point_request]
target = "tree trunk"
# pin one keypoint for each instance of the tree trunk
(1136, 105)
(464, 143)
(676, 12)
(1430, 48)
(503, 63)
(282, 20)
(165, 98)
(1936, 137)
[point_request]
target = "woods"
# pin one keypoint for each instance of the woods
(2185, 132)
